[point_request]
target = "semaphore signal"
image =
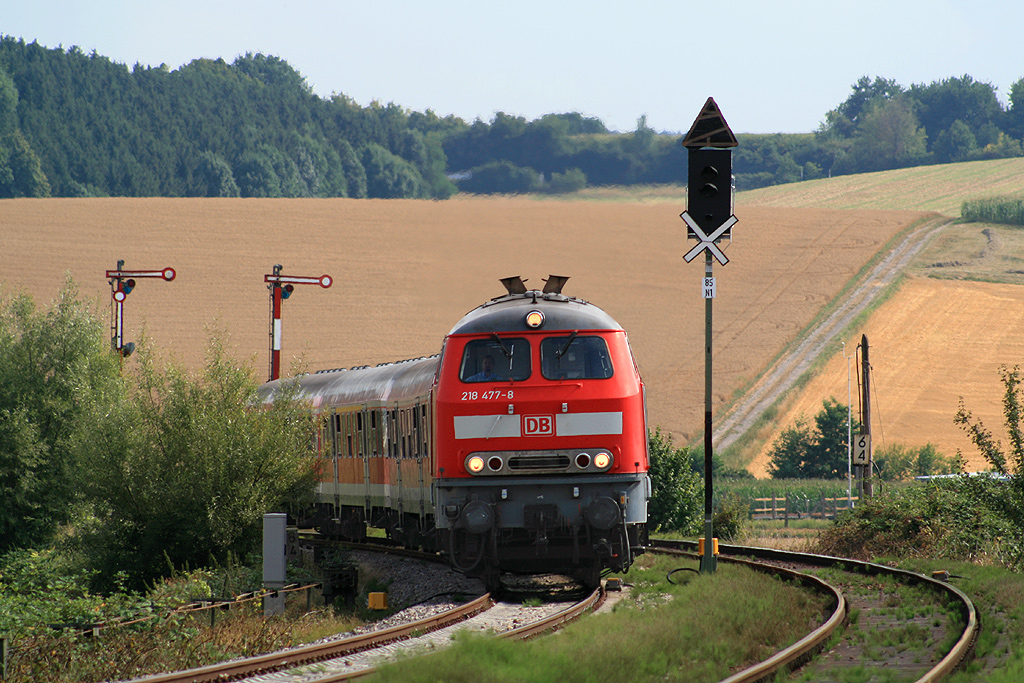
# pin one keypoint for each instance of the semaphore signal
(281, 288)
(122, 282)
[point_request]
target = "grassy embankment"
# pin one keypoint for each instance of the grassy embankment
(701, 630)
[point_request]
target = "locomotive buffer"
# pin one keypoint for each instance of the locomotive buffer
(709, 219)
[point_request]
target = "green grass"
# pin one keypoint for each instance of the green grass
(998, 595)
(701, 629)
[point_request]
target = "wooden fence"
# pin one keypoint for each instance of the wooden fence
(787, 508)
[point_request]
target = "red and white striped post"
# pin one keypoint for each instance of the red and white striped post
(122, 282)
(281, 287)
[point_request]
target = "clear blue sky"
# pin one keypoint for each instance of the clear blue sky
(771, 65)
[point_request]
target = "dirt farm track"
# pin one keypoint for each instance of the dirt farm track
(406, 270)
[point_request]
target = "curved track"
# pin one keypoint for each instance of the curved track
(927, 664)
(319, 652)
(357, 656)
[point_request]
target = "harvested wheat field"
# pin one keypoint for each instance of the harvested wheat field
(940, 187)
(931, 343)
(406, 270)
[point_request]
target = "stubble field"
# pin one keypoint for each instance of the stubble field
(406, 270)
(941, 336)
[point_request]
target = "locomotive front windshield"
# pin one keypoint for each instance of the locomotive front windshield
(496, 360)
(575, 357)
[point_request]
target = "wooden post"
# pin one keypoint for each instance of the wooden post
(865, 418)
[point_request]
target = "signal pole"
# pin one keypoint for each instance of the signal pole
(709, 219)
(122, 282)
(281, 287)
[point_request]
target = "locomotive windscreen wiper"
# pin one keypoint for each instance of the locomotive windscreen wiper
(509, 353)
(562, 351)
(504, 349)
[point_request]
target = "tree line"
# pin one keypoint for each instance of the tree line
(77, 124)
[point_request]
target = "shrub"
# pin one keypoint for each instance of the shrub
(676, 500)
(181, 469)
(963, 518)
(733, 512)
(500, 177)
(572, 180)
(897, 462)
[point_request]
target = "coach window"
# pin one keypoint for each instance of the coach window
(417, 425)
(350, 432)
(425, 432)
(496, 359)
(336, 436)
(575, 357)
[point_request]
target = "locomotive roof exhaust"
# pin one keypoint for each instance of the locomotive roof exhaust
(514, 284)
(554, 284)
(517, 285)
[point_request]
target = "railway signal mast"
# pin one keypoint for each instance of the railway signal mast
(281, 287)
(709, 220)
(122, 282)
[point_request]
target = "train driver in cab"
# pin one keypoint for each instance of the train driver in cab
(486, 373)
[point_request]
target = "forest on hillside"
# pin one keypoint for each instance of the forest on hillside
(76, 125)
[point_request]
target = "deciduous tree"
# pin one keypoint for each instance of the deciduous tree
(53, 362)
(817, 452)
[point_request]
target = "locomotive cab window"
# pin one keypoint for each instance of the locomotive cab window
(496, 360)
(575, 357)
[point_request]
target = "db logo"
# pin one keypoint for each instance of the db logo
(538, 425)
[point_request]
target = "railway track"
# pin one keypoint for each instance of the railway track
(497, 619)
(870, 606)
(918, 628)
(358, 656)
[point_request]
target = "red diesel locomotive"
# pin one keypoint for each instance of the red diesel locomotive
(522, 447)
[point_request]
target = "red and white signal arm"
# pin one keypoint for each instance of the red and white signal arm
(861, 449)
(120, 294)
(166, 273)
(324, 281)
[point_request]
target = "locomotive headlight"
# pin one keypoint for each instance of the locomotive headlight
(477, 517)
(534, 319)
(602, 513)
(602, 460)
(475, 464)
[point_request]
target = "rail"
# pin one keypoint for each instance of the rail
(317, 652)
(954, 658)
(522, 633)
